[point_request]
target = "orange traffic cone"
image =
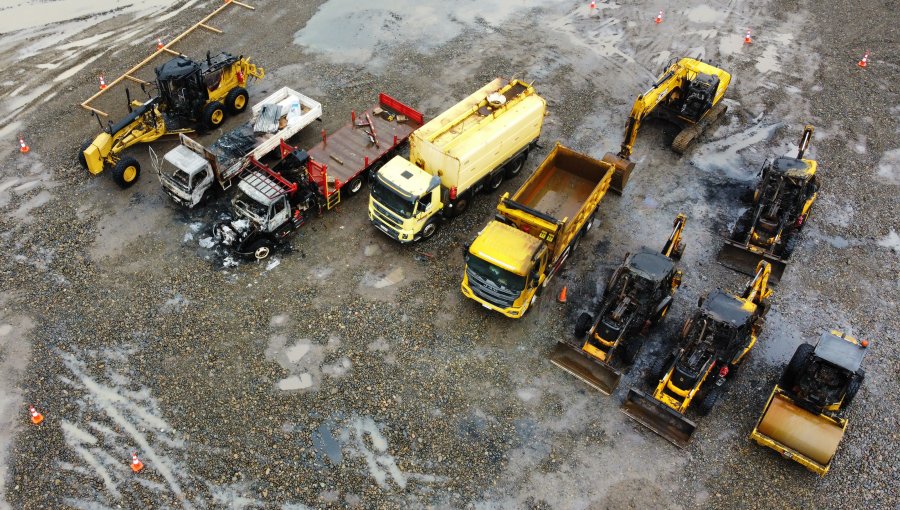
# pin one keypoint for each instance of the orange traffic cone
(659, 18)
(102, 83)
(36, 417)
(593, 5)
(136, 464)
(864, 62)
(23, 147)
(159, 43)
(747, 38)
(562, 294)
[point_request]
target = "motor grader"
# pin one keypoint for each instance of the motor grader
(803, 418)
(688, 94)
(782, 202)
(637, 296)
(189, 96)
(713, 343)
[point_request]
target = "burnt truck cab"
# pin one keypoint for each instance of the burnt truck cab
(638, 295)
(184, 175)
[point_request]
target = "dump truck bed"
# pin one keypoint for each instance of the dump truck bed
(797, 434)
(349, 151)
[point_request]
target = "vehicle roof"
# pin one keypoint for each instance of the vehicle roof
(794, 168)
(406, 177)
(840, 351)
(176, 67)
(505, 246)
(723, 307)
(186, 160)
(651, 265)
(254, 193)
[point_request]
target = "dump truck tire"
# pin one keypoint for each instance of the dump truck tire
(126, 172)
(514, 167)
(81, 160)
(795, 366)
(460, 206)
(429, 230)
(582, 324)
(354, 186)
(237, 100)
(213, 115)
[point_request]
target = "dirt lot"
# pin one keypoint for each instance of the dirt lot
(130, 335)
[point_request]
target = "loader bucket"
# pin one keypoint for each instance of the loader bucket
(742, 259)
(798, 434)
(659, 418)
(623, 168)
(594, 373)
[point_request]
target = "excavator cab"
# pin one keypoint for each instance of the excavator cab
(698, 96)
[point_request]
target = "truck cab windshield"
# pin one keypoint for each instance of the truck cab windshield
(251, 208)
(496, 275)
(391, 199)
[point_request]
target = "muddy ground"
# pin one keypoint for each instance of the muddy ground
(349, 371)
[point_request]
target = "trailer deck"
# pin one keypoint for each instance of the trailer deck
(348, 152)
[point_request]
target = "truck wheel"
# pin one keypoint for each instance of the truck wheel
(126, 172)
(81, 159)
(795, 367)
(429, 230)
(354, 186)
(583, 324)
(213, 115)
(261, 249)
(460, 206)
(496, 181)
(237, 100)
(590, 224)
(515, 166)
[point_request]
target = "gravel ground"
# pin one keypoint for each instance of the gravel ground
(131, 336)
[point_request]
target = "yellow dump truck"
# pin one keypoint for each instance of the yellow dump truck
(474, 145)
(535, 231)
(803, 418)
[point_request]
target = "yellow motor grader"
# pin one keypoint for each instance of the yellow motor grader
(190, 95)
(689, 94)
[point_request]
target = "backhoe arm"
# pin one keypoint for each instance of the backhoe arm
(804, 140)
(758, 288)
(672, 243)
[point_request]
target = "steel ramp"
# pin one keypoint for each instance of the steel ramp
(592, 372)
(739, 257)
(659, 418)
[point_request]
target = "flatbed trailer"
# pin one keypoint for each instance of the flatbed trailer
(340, 162)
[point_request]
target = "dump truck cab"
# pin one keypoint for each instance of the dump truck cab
(403, 199)
(185, 175)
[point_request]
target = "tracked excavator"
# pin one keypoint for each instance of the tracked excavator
(190, 95)
(803, 419)
(637, 296)
(782, 202)
(713, 343)
(689, 94)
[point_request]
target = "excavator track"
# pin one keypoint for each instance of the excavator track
(688, 135)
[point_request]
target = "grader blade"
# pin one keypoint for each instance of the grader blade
(659, 418)
(592, 372)
(798, 434)
(744, 259)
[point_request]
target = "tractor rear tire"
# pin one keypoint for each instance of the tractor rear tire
(582, 324)
(213, 115)
(126, 172)
(237, 100)
(630, 350)
(709, 400)
(852, 387)
(659, 368)
(795, 367)
(81, 159)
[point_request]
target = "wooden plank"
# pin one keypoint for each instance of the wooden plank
(211, 29)
(136, 80)
(170, 52)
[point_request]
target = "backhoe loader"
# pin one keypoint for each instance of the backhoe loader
(801, 420)
(189, 95)
(689, 94)
(782, 202)
(638, 296)
(713, 343)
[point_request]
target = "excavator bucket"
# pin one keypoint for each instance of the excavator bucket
(798, 434)
(659, 418)
(594, 373)
(623, 168)
(742, 259)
